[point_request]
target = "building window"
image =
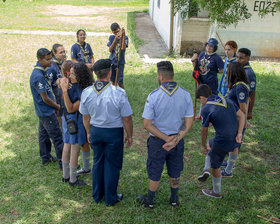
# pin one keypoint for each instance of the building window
(158, 4)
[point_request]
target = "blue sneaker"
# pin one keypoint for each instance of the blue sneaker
(225, 174)
(224, 165)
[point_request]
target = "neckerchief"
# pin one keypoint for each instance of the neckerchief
(57, 63)
(219, 101)
(84, 50)
(226, 73)
(169, 87)
(247, 66)
(99, 86)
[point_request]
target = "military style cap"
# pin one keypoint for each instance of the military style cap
(102, 64)
(42, 52)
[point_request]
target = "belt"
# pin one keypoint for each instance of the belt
(155, 137)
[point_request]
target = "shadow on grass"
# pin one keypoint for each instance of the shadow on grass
(32, 193)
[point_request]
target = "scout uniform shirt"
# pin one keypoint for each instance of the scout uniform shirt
(239, 93)
(39, 83)
(82, 53)
(167, 106)
(251, 77)
(221, 112)
(106, 104)
(54, 72)
(209, 66)
(114, 54)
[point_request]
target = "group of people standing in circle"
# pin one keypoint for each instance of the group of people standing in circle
(97, 113)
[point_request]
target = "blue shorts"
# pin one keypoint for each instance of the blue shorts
(120, 75)
(81, 137)
(157, 157)
(217, 154)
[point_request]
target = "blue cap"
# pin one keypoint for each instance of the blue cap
(213, 42)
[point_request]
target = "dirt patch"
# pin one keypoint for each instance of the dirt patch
(69, 10)
(98, 22)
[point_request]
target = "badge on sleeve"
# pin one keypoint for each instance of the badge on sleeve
(40, 85)
(241, 96)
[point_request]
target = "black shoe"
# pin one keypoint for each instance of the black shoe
(65, 179)
(82, 171)
(78, 183)
(60, 164)
(174, 204)
(143, 201)
(45, 162)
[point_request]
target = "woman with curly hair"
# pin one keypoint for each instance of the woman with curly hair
(71, 112)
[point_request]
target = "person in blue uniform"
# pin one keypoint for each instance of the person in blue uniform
(228, 121)
(230, 51)
(81, 51)
(239, 93)
(168, 116)
(71, 112)
(243, 57)
(210, 64)
(114, 49)
(54, 73)
(106, 114)
(46, 107)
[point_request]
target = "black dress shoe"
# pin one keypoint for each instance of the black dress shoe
(65, 179)
(45, 162)
(78, 183)
(143, 201)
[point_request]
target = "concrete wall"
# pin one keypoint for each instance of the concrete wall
(260, 35)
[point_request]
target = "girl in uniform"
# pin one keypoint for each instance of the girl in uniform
(230, 51)
(81, 51)
(72, 142)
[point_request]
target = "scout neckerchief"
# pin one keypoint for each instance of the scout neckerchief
(57, 63)
(247, 66)
(46, 77)
(84, 50)
(204, 62)
(219, 101)
(99, 86)
(226, 73)
(169, 87)
(238, 83)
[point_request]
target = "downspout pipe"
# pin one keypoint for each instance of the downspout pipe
(171, 26)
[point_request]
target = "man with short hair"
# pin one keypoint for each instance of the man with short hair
(243, 57)
(168, 116)
(46, 107)
(106, 114)
(228, 121)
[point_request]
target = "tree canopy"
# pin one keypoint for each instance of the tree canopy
(224, 12)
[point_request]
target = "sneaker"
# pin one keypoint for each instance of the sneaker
(143, 201)
(174, 204)
(204, 176)
(211, 193)
(82, 171)
(224, 165)
(225, 174)
(198, 117)
(65, 179)
(78, 183)
(119, 197)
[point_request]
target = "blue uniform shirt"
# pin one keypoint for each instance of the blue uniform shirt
(82, 53)
(167, 106)
(239, 93)
(54, 72)
(224, 79)
(221, 112)
(209, 66)
(106, 104)
(251, 77)
(74, 95)
(39, 83)
(113, 56)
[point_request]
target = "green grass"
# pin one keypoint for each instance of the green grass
(31, 193)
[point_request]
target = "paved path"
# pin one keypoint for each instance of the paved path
(154, 46)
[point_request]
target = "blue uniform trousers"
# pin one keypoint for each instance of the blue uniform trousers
(107, 144)
(49, 129)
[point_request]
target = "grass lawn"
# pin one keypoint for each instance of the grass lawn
(32, 193)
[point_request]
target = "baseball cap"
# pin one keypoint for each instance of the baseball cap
(42, 52)
(213, 42)
(102, 64)
(203, 90)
